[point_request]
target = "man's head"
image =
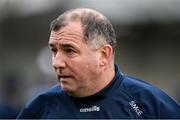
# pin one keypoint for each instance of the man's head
(83, 44)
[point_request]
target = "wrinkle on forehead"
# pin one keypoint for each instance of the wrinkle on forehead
(72, 31)
(75, 37)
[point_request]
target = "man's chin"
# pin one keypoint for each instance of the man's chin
(67, 89)
(70, 92)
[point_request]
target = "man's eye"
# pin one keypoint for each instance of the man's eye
(53, 50)
(69, 51)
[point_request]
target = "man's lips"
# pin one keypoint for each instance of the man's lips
(64, 77)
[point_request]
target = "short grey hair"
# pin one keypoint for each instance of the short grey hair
(97, 28)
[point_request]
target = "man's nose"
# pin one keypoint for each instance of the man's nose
(58, 61)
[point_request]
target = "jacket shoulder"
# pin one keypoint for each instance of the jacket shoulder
(36, 106)
(153, 101)
(54, 90)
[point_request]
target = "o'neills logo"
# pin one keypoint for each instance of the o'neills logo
(91, 109)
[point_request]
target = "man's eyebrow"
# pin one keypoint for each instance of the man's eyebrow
(62, 45)
(66, 45)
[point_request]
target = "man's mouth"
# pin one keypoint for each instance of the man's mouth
(64, 77)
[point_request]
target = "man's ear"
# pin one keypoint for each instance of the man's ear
(106, 52)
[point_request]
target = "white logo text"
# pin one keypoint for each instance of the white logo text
(91, 109)
(135, 107)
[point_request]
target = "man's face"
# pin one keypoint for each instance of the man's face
(75, 62)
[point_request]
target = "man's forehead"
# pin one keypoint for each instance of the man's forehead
(66, 38)
(66, 35)
(70, 28)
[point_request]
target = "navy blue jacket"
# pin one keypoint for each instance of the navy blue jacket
(125, 97)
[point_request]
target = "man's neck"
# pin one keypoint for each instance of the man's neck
(104, 79)
(108, 76)
(101, 82)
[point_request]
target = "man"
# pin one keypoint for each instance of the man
(83, 44)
